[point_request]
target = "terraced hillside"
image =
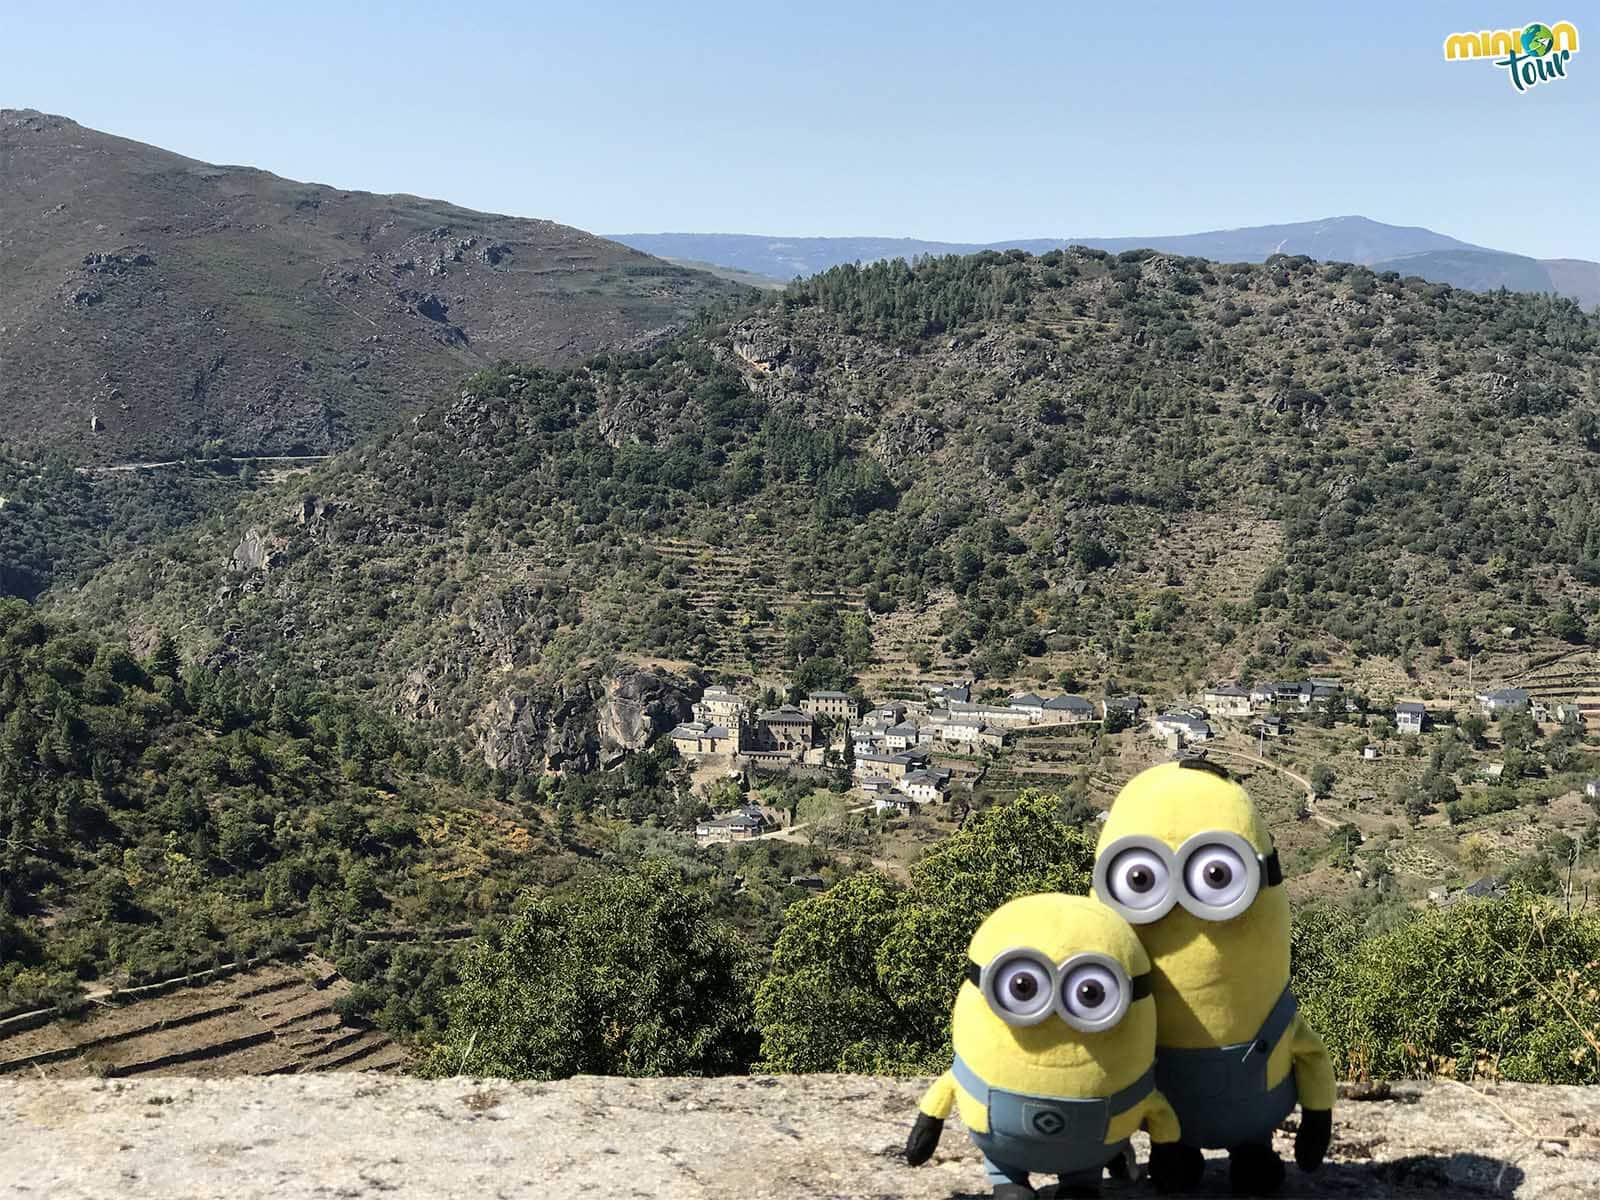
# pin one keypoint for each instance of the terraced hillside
(1078, 471)
(274, 1019)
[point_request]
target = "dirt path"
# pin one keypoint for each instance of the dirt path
(1305, 784)
(182, 462)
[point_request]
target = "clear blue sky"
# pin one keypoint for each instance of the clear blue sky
(955, 121)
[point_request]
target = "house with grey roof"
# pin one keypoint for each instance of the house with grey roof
(1068, 710)
(1225, 700)
(1502, 702)
(1410, 716)
(901, 737)
(1183, 727)
(739, 825)
(697, 739)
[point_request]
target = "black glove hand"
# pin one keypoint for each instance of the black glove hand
(1311, 1142)
(924, 1139)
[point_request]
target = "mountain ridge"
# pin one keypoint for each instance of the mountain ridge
(154, 304)
(1349, 238)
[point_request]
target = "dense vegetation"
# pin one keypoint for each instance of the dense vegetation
(58, 524)
(861, 978)
(154, 819)
(1037, 438)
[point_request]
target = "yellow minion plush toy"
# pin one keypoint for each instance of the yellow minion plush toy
(1055, 1036)
(1186, 859)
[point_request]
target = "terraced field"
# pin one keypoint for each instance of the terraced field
(277, 1018)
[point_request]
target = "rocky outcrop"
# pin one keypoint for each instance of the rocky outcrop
(542, 728)
(578, 726)
(834, 1136)
(252, 553)
(640, 706)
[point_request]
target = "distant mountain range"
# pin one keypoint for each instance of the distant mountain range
(1409, 249)
(151, 304)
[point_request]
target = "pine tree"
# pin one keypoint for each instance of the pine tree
(165, 660)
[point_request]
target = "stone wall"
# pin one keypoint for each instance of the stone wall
(356, 1136)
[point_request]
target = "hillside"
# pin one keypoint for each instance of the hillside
(835, 1135)
(152, 305)
(1353, 239)
(1074, 466)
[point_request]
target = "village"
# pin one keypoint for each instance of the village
(901, 754)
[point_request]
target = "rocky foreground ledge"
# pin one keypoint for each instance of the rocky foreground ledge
(833, 1136)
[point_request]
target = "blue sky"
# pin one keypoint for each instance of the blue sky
(954, 121)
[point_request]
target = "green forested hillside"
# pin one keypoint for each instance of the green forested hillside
(153, 818)
(1138, 468)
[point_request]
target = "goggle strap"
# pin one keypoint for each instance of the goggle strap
(1138, 990)
(1271, 870)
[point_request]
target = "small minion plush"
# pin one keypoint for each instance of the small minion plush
(1187, 860)
(1055, 1035)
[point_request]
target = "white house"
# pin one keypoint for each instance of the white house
(900, 737)
(1410, 716)
(865, 740)
(1503, 702)
(924, 786)
(962, 731)
(991, 714)
(718, 705)
(1592, 789)
(1225, 700)
(1369, 752)
(1030, 704)
(1185, 727)
(738, 825)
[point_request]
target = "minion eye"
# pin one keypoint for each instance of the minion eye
(1091, 993)
(1216, 876)
(1138, 879)
(1020, 989)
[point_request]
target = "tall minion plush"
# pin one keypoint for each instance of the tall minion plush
(1186, 859)
(1055, 1036)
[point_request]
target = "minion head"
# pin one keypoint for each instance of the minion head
(1056, 984)
(1187, 860)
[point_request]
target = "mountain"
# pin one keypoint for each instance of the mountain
(1486, 270)
(151, 304)
(1353, 239)
(1074, 469)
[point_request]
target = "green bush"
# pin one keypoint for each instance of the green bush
(1498, 988)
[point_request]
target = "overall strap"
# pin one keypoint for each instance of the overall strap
(1277, 1022)
(970, 1083)
(1122, 1101)
(1117, 1102)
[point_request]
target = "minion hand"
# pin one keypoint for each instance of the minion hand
(1311, 1142)
(924, 1139)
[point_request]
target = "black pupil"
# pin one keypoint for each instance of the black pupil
(1141, 879)
(1091, 993)
(1218, 875)
(1024, 987)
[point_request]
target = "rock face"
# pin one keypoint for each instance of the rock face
(292, 1137)
(641, 705)
(579, 726)
(252, 553)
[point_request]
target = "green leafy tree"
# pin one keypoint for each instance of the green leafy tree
(630, 976)
(863, 976)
